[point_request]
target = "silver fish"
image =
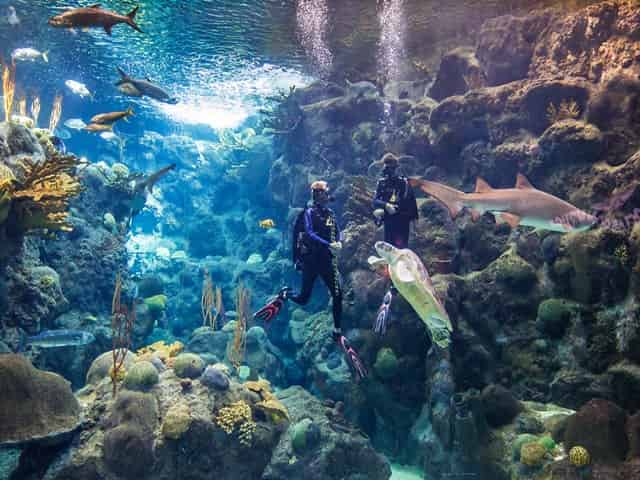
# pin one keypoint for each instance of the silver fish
(29, 54)
(61, 338)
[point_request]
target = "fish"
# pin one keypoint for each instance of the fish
(112, 117)
(140, 88)
(267, 224)
(60, 338)
(62, 134)
(109, 136)
(412, 280)
(75, 123)
(148, 182)
(523, 205)
(94, 127)
(12, 16)
(94, 17)
(78, 88)
(29, 54)
(129, 89)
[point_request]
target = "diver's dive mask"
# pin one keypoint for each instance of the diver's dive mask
(320, 193)
(389, 170)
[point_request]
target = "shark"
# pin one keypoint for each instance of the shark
(136, 87)
(523, 205)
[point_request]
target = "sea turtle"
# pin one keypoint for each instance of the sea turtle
(412, 280)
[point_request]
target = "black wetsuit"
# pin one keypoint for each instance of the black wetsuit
(321, 229)
(396, 190)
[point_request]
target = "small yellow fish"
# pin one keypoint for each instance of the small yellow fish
(267, 224)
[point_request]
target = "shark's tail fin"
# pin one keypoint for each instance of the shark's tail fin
(131, 19)
(449, 197)
(45, 56)
(129, 113)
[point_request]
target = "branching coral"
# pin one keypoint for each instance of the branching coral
(40, 199)
(567, 110)
(237, 416)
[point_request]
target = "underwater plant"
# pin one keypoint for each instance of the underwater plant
(56, 112)
(211, 302)
(41, 199)
(567, 110)
(8, 89)
(122, 320)
(35, 110)
(243, 302)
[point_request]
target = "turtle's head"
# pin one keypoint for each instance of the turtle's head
(386, 251)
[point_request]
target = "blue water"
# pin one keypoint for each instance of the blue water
(219, 58)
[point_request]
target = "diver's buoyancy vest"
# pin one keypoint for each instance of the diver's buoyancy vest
(323, 223)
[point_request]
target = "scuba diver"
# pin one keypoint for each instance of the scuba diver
(316, 244)
(395, 206)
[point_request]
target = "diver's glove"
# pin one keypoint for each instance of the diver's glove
(335, 247)
(384, 311)
(390, 208)
(353, 359)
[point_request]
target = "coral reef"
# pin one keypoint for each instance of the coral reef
(36, 405)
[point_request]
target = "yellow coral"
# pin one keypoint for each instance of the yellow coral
(237, 414)
(532, 454)
(274, 409)
(41, 199)
(177, 421)
(163, 351)
(567, 110)
(579, 456)
(262, 387)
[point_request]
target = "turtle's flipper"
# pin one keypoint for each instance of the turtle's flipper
(382, 319)
(353, 359)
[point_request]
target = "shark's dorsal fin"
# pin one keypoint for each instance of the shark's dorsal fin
(523, 183)
(95, 5)
(482, 186)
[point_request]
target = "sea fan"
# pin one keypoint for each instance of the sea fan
(56, 112)
(8, 89)
(22, 106)
(35, 109)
